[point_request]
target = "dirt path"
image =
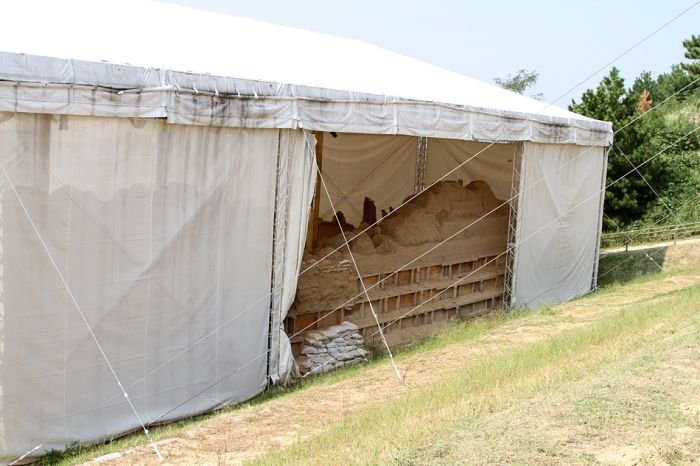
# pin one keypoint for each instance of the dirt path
(240, 435)
(639, 247)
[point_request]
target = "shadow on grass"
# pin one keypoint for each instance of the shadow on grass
(625, 266)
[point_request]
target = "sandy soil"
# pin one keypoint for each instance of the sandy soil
(411, 232)
(237, 436)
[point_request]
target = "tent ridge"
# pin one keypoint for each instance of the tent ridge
(68, 86)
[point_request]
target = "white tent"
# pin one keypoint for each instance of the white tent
(157, 172)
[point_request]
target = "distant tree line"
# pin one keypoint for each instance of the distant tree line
(674, 175)
(648, 117)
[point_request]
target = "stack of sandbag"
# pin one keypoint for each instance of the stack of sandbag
(331, 348)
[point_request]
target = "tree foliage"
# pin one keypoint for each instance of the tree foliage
(520, 81)
(648, 117)
(692, 52)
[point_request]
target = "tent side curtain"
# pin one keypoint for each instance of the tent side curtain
(164, 235)
(71, 87)
(296, 181)
(356, 166)
(471, 161)
(558, 223)
(383, 168)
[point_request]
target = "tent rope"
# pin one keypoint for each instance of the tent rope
(214, 331)
(359, 275)
(638, 260)
(469, 159)
(266, 296)
(541, 229)
(13, 188)
(597, 193)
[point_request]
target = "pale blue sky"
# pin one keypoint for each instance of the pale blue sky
(564, 41)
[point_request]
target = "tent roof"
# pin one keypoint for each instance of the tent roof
(202, 48)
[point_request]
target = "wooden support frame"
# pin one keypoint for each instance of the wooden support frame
(312, 236)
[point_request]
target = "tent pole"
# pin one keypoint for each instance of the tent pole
(601, 210)
(421, 160)
(312, 236)
(516, 188)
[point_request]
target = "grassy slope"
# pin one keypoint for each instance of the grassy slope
(428, 425)
(407, 429)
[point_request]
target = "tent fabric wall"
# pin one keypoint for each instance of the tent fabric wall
(558, 222)
(296, 181)
(493, 164)
(176, 202)
(163, 233)
(384, 169)
(358, 165)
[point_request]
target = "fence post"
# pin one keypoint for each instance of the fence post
(675, 235)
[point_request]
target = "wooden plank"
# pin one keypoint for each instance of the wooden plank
(312, 236)
(405, 301)
(305, 320)
(403, 278)
(329, 319)
(369, 282)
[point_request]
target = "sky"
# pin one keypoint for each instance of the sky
(564, 41)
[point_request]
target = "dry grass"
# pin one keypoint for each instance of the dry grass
(472, 375)
(458, 419)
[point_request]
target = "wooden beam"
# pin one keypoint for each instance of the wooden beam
(312, 236)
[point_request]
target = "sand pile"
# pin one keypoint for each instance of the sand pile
(423, 219)
(440, 212)
(327, 285)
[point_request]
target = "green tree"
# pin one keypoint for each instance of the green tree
(651, 120)
(644, 82)
(676, 80)
(692, 52)
(520, 81)
(627, 199)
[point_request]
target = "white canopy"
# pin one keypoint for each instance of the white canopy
(172, 250)
(281, 77)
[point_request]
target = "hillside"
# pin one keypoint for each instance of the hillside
(653, 171)
(612, 378)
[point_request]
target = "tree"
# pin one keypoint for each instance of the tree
(692, 52)
(627, 199)
(652, 121)
(644, 102)
(520, 82)
(644, 91)
(674, 81)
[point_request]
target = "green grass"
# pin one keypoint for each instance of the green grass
(635, 400)
(387, 433)
(623, 267)
(461, 333)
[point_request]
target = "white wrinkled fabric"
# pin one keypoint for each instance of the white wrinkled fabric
(356, 166)
(490, 163)
(164, 233)
(557, 263)
(383, 168)
(295, 190)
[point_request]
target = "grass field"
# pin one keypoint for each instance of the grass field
(612, 378)
(568, 398)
